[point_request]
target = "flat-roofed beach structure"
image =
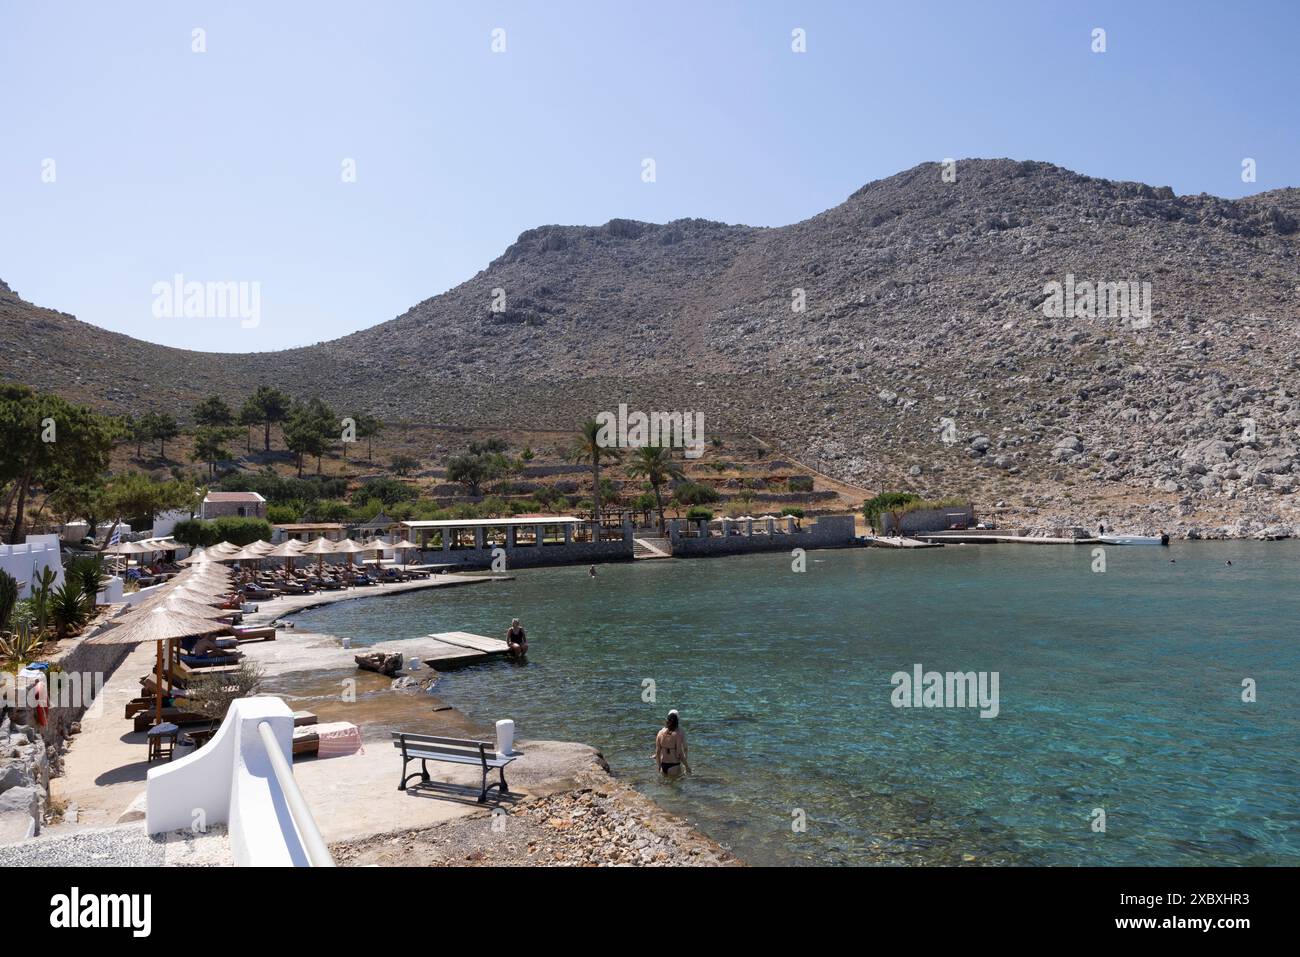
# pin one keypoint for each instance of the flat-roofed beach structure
(306, 531)
(525, 539)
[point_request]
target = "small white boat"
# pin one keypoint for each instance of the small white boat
(1133, 539)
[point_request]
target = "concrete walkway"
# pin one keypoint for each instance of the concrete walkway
(352, 797)
(275, 608)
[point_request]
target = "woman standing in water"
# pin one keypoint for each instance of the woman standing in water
(670, 748)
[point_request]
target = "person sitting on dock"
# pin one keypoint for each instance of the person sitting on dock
(517, 639)
(670, 747)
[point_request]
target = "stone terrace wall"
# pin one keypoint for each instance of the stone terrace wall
(533, 556)
(927, 520)
(829, 531)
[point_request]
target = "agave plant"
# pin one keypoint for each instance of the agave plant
(22, 645)
(68, 608)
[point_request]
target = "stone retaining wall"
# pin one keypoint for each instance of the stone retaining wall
(829, 531)
(534, 556)
(929, 520)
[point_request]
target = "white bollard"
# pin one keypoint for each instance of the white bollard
(505, 736)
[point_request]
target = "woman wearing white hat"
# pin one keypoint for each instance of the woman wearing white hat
(670, 747)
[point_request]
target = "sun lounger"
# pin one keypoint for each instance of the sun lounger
(205, 662)
(266, 633)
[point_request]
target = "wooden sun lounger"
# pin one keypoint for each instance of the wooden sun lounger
(266, 633)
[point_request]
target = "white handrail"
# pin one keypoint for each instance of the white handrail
(317, 852)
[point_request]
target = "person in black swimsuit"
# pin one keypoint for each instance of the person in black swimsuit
(670, 748)
(517, 639)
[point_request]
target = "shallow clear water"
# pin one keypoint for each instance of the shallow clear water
(1119, 690)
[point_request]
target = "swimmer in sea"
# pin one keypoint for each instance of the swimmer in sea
(670, 748)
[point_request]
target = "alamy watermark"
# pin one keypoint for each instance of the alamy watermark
(1127, 301)
(665, 430)
(60, 689)
(952, 689)
(179, 299)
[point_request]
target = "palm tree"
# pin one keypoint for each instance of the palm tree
(587, 448)
(656, 466)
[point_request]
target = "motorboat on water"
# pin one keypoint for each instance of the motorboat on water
(1133, 539)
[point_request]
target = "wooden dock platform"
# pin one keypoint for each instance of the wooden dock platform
(452, 649)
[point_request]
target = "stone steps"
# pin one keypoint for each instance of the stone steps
(652, 548)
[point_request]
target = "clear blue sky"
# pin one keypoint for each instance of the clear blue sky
(225, 165)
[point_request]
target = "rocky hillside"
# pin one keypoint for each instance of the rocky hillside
(923, 359)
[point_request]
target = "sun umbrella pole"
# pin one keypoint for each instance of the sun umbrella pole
(158, 688)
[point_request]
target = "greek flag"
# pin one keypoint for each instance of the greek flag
(116, 537)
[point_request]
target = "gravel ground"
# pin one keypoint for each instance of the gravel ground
(601, 825)
(126, 845)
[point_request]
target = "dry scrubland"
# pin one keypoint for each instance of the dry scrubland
(923, 302)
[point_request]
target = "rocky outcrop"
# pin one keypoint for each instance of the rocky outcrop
(387, 665)
(24, 781)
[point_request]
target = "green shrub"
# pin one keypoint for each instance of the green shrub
(698, 513)
(197, 533)
(281, 491)
(900, 503)
(387, 491)
(799, 483)
(873, 508)
(88, 571)
(8, 598)
(695, 493)
(333, 510)
(68, 607)
(287, 514)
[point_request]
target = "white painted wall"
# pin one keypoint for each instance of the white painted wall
(230, 781)
(28, 560)
(164, 523)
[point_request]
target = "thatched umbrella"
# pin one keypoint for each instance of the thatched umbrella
(210, 554)
(186, 603)
(161, 625)
(289, 549)
(349, 548)
(321, 546)
(377, 545)
(403, 546)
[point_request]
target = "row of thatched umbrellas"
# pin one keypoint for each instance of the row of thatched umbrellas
(189, 606)
(293, 548)
(185, 607)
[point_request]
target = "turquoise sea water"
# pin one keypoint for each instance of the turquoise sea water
(1119, 690)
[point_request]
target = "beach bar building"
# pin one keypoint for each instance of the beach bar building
(527, 540)
(305, 532)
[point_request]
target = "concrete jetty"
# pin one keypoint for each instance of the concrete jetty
(893, 541)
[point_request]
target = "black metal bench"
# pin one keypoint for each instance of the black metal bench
(427, 747)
